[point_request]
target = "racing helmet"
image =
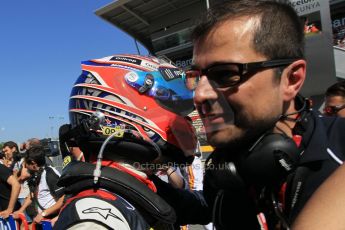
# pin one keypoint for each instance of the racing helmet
(144, 100)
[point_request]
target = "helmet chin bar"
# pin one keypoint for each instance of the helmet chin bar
(95, 122)
(97, 171)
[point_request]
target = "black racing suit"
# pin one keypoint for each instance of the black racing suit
(104, 208)
(118, 200)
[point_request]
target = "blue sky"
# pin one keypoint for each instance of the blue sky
(41, 46)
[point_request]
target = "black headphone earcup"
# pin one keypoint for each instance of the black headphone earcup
(222, 176)
(272, 158)
(227, 196)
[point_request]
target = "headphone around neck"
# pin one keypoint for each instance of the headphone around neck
(267, 162)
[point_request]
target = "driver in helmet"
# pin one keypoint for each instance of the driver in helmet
(128, 115)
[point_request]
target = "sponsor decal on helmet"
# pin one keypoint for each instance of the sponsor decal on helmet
(150, 65)
(123, 67)
(170, 73)
(118, 130)
(126, 59)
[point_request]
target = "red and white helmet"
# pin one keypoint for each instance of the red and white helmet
(144, 94)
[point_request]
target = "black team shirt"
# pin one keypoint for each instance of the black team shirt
(5, 188)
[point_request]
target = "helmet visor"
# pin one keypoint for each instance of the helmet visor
(167, 87)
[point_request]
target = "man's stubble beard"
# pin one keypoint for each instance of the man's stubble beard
(242, 134)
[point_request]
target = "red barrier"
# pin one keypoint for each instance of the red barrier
(21, 221)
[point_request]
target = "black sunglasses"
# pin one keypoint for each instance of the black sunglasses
(333, 110)
(231, 74)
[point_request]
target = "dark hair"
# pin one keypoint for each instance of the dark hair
(36, 154)
(11, 145)
(337, 89)
(32, 142)
(279, 33)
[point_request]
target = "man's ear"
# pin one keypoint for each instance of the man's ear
(293, 79)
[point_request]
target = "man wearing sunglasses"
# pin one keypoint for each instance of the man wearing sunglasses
(271, 150)
(335, 100)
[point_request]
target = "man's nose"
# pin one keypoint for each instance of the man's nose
(204, 91)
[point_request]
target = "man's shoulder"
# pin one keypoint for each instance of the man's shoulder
(334, 124)
(334, 130)
(51, 170)
(50, 175)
